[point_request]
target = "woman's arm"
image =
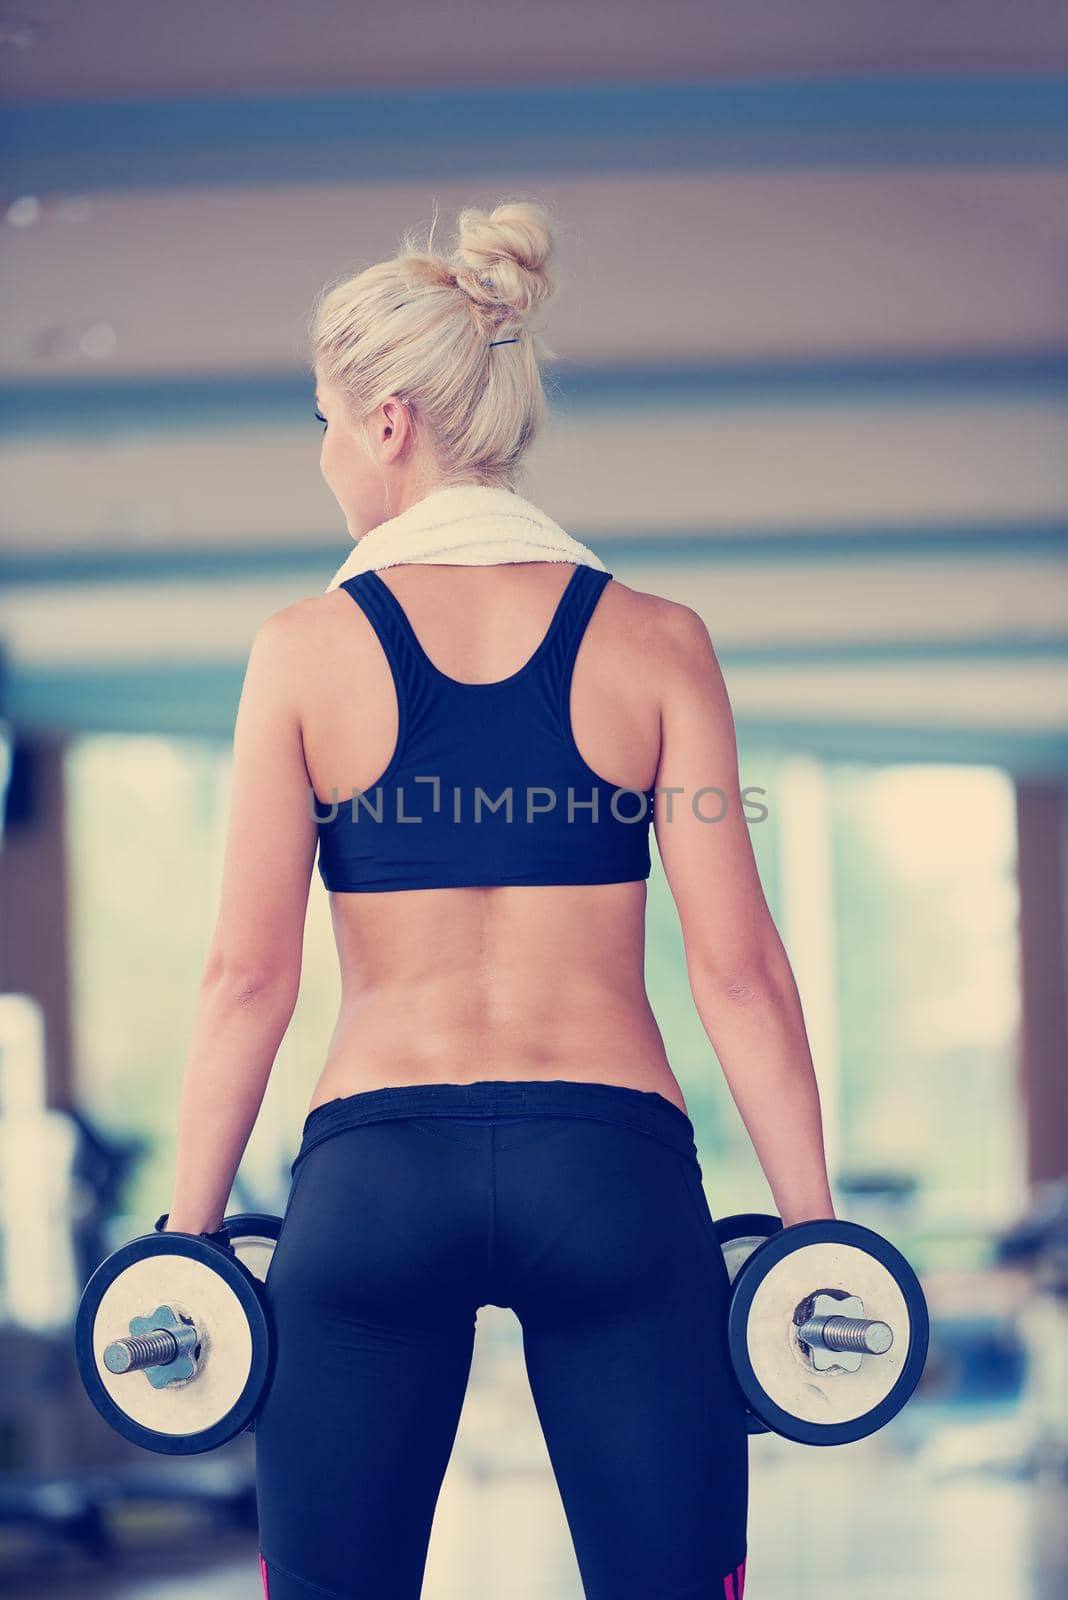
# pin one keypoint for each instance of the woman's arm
(251, 976)
(739, 973)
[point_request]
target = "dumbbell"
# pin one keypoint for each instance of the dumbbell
(827, 1330)
(172, 1336)
(827, 1326)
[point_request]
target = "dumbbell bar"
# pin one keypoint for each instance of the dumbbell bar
(860, 1334)
(165, 1344)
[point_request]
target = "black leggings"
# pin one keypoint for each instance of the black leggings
(581, 1207)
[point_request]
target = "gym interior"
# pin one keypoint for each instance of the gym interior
(808, 378)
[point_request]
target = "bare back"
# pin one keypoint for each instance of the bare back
(513, 982)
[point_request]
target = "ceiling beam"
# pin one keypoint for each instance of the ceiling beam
(91, 408)
(519, 131)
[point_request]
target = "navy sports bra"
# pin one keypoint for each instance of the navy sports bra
(485, 784)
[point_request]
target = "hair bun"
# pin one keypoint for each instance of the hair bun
(419, 324)
(502, 257)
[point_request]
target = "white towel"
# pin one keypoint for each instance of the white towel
(465, 525)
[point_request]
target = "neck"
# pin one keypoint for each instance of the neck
(414, 494)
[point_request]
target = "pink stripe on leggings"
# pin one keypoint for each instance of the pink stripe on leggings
(734, 1583)
(263, 1575)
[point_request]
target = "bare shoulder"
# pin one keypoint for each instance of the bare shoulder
(295, 631)
(673, 636)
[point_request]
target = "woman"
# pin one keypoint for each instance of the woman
(497, 1121)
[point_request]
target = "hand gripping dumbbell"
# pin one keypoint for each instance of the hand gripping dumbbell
(173, 1338)
(827, 1326)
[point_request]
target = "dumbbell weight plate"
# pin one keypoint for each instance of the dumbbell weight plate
(254, 1235)
(223, 1298)
(743, 1233)
(779, 1382)
(739, 1236)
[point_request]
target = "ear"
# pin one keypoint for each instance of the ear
(395, 425)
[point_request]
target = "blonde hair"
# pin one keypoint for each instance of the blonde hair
(419, 327)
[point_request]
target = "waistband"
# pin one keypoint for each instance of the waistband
(642, 1109)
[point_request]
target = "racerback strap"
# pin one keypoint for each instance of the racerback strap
(571, 620)
(383, 611)
(558, 648)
